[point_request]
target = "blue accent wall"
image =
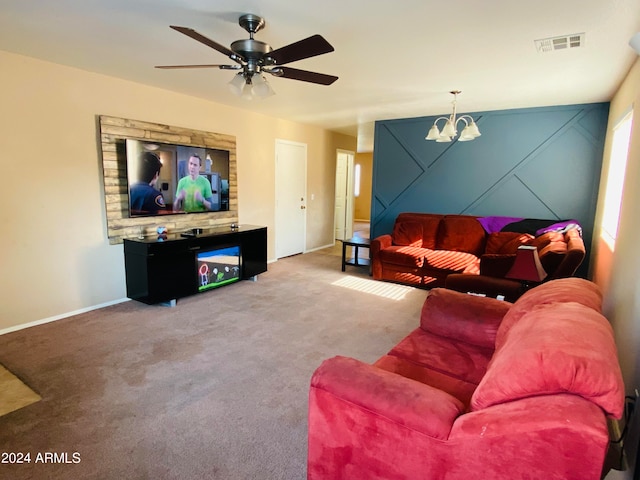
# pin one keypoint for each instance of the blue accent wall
(532, 163)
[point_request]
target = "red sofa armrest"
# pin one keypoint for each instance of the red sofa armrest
(378, 244)
(576, 252)
(463, 317)
(382, 394)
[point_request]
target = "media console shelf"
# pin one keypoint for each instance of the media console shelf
(163, 269)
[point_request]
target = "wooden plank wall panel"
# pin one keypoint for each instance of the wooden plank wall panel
(114, 169)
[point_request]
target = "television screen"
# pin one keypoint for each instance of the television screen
(168, 178)
(218, 267)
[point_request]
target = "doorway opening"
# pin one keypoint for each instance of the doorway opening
(344, 197)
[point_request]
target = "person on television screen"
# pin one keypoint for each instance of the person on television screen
(194, 191)
(143, 196)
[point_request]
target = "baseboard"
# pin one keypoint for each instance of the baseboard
(320, 248)
(35, 323)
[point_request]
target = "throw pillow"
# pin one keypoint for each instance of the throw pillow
(407, 234)
(555, 349)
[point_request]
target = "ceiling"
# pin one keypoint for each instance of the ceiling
(393, 59)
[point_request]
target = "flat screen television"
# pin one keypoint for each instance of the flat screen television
(190, 179)
(217, 267)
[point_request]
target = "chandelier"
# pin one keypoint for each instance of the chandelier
(469, 132)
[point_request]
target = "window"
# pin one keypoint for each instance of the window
(615, 179)
(356, 180)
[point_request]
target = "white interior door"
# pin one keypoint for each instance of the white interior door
(291, 196)
(344, 202)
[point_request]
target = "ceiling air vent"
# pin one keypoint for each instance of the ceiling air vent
(563, 42)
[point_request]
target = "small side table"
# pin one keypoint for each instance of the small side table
(356, 243)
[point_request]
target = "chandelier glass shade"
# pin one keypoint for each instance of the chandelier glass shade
(449, 130)
(249, 86)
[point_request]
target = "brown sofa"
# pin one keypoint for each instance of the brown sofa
(455, 251)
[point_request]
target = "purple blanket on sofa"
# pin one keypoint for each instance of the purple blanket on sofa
(526, 225)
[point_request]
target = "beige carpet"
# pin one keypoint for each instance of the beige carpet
(215, 388)
(13, 393)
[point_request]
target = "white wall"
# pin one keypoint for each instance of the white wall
(618, 271)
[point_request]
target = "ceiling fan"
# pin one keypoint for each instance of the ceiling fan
(253, 58)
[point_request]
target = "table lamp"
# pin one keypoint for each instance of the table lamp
(527, 267)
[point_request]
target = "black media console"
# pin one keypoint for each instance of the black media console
(166, 267)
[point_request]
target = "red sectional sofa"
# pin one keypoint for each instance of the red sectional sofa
(425, 249)
(481, 389)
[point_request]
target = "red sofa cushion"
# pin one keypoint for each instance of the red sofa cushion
(406, 256)
(457, 388)
(458, 360)
(407, 234)
(555, 348)
(429, 222)
(450, 261)
(461, 233)
(574, 289)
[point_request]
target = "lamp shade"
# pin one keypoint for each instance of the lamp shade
(260, 86)
(449, 129)
(434, 133)
(472, 129)
(635, 42)
(247, 91)
(236, 84)
(466, 135)
(527, 266)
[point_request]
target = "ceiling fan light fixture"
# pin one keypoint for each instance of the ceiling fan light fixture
(635, 43)
(261, 87)
(247, 91)
(236, 84)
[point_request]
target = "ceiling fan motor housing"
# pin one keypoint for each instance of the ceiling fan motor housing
(250, 48)
(251, 23)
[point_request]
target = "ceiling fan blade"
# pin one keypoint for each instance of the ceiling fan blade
(189, 32)
(306, 76)
(309, 47)
(221, 67)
